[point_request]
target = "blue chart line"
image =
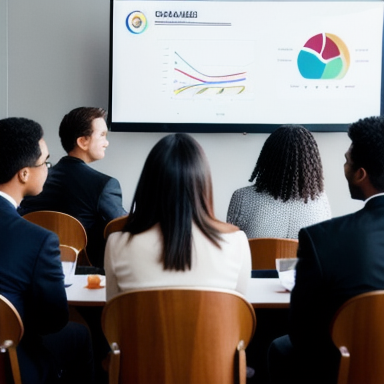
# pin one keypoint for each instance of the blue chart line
(189, 78)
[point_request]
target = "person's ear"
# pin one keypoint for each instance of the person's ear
(83, 142)
(360, 176)
(23, 175)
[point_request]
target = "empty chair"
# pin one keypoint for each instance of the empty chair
(358, 333)
(71, 233)
(72, 238)
(266, 250)
(11, 332)
(115, 225)
(178, 335)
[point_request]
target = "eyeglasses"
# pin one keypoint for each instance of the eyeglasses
(47, 163)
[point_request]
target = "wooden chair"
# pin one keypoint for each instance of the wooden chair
(11, 332)
(115, 225)
(72, 235)
(358, 332)
(266, 250)
(178, 335)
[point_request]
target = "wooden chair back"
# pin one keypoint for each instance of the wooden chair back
(71, 233)
(11, 332)
(358, 332)
(115, 225)
(266, 250)
(178, 335)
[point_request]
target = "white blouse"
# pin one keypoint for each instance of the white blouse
(136, 264)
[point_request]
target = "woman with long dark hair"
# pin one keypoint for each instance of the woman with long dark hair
(288, 193)
(172, 236)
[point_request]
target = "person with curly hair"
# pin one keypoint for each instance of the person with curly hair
(288, 193)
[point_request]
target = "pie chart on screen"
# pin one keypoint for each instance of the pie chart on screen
(324, 56)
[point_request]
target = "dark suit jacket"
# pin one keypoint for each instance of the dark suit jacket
(338, 259)
(90, 196)
(31, 277)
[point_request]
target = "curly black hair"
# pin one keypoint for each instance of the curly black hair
(367, 149)
(289, 165)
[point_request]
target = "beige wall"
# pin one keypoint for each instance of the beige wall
(54, 57)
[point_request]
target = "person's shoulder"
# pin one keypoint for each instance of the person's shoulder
(223, 227)
(244, 194)
(330, 225)
(34, 233)
(235, 235)
(250, 190)
(102, 176)
(106, 180)
(124, 240)
(321, 199)
(118, 236)
(74, 163)
(229, 230)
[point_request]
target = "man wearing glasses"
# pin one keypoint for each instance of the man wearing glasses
(52, 349)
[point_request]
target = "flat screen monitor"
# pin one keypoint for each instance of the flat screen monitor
(244, 66)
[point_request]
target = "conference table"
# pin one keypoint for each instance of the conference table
(262, 293)
(79, 295)
(267, 293)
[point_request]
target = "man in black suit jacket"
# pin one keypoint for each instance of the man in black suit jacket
(338, 259)
(75, 188)
(31, 276)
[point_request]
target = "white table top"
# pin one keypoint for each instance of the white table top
(77, 294)
(262, 293)
(267, 293)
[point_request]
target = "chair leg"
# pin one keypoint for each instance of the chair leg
(240, 364)
(15, 365)
(344, 366)
(114, 364)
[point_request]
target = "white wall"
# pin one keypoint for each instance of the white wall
(3, 58)
(57, 60)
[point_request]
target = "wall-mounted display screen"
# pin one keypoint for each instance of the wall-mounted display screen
(244, 66)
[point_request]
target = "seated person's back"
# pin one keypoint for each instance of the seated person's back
(288, 193)
(337, 260)
(73, 187)
(172, 237)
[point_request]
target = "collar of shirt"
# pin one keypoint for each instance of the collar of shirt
(9, 198)
(373, 196)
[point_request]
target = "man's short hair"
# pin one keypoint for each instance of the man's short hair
(78, 123)
(367, 150)
(19, 146)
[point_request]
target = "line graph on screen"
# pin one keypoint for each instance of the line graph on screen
(189, 81)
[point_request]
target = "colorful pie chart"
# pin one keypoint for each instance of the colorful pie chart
(324, 56)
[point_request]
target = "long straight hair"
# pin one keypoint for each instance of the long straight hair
(174, 190)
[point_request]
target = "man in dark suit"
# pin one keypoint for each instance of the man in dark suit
(31, 277)
(75, 188)
(338, 259)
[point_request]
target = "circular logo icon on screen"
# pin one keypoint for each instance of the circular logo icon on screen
(136, 22)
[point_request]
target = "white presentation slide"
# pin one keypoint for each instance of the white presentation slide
(246, 62)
